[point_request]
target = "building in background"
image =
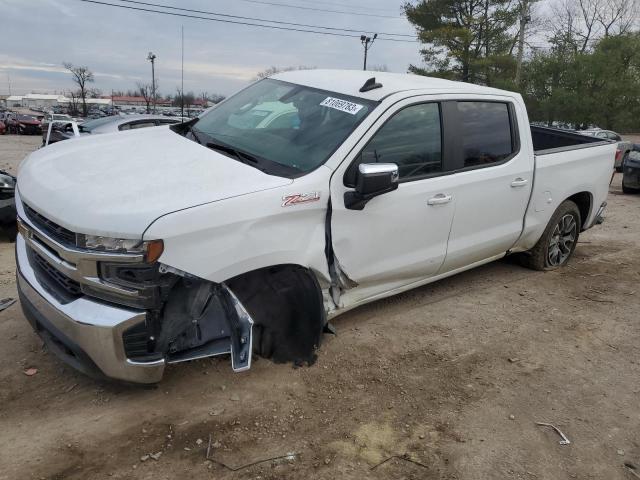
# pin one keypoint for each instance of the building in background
(14, 101)
(129, 101)
(47, 103)
(41, 101)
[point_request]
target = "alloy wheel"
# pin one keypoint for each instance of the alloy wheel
(562, 240)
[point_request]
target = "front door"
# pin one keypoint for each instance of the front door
(399, 237)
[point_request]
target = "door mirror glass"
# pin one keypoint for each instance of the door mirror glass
(373, 179)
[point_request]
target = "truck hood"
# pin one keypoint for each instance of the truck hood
(118, 184)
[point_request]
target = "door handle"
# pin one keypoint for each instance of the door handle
(439, 199)
(519, 182)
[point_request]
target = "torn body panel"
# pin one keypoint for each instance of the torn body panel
(276, 312)
(339, 280)
(201, 319)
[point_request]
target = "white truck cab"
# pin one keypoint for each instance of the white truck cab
(302, 196)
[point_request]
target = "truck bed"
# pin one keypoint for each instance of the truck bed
(566, 164)
(551, 140)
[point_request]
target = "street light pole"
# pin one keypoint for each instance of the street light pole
(524, 19)
(366, 43)
(152, 58)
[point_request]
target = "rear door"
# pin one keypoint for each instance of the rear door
(494, 177)
(399, 237)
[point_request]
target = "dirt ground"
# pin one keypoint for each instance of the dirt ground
(443, 382)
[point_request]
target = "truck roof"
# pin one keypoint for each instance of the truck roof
(349, 82)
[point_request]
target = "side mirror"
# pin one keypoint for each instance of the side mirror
(372, 179)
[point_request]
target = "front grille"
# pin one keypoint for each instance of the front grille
(69, 285)
(52, 229)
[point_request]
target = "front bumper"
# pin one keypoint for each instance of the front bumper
(84, 333)
(30, 129)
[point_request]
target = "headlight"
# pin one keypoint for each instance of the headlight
(151, 249)
(6, 181)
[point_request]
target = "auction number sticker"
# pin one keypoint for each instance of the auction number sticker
(342, 105)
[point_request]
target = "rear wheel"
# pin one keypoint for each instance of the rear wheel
(559, 240)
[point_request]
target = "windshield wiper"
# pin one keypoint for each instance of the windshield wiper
(192, 131)
(238, 154)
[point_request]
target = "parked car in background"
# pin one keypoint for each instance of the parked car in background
(54, 116)
(116, 123)
(4, 118)
(228, 234)
(624, 147)
(631, 171)
(8, 204)
(23, 124)
(3, 128)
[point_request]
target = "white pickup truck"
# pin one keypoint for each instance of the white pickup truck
(299, 198)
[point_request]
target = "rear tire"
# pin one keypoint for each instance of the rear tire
(559, 240)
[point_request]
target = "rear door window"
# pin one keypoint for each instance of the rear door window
(485, 134)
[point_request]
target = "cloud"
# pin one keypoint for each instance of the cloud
(205, 69)
(219, 57)
(34, 67)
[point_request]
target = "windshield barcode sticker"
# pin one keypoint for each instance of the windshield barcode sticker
(342, 105)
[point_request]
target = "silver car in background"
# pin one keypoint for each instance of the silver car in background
(115, 123)
(624, 147)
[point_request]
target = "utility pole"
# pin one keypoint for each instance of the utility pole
(182, 81)
(152, 58)
(366, 43)
(524, 19)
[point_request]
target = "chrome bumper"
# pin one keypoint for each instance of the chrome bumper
(84, 333)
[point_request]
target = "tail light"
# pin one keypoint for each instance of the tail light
(618, 153)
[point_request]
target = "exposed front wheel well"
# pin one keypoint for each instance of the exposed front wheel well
(286, 304)
(584, 202)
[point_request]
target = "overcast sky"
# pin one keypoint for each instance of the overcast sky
(39, 35)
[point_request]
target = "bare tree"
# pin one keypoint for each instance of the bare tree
(81, 75)
(180, 97)
(94, 93)
(74, 98)
(582, 22)
(216, 98)
(617, 16)
(588, 10)
(146, 91)
(564, 25)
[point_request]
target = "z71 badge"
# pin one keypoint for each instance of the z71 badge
(297, 198)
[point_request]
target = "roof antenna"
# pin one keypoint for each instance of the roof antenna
(370, 85)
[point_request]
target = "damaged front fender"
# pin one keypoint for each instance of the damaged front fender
(202, 319)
